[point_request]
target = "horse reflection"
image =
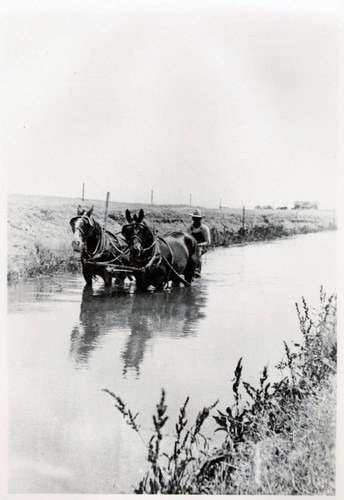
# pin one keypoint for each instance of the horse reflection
(99, 313)
(145, 317)
(175, 314)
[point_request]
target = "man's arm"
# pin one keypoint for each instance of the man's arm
(206, 236)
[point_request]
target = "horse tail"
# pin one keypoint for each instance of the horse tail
(193, 258)
(191, 244)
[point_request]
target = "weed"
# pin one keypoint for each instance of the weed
(45, 259)
(278, 439)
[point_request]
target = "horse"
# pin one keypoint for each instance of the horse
(96, 244)
(159, 259)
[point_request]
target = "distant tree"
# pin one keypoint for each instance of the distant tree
(305, 205)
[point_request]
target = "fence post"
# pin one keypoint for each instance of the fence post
(243, 218)
(106, 208)
(83, 192)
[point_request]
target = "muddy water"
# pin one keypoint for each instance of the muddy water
(66, 344)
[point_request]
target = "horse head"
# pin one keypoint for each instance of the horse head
(137, 234)
(83, 226)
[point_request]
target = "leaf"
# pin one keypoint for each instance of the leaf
(221, 421)
(251, 391)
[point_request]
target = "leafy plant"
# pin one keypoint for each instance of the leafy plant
(269, 446)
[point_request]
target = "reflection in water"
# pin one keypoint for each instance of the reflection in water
(36, 291)
(99, 313)
(61, 416)
(175, 313)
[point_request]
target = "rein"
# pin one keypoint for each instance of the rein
(157, 257)
(100, 248)
(170, 265)
(118, 250)
(186, 283)
(160, 258)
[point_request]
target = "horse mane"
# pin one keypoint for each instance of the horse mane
(175, 233)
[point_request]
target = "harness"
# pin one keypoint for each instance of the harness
(106, 245)
(144, 249)
(170, 265)
(102, 244)
(157, 257)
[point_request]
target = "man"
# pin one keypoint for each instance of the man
(201, 234)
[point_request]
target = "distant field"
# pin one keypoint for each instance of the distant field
(39, 235)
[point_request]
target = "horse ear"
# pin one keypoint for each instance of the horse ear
(128, 216)
(80, 210)
(89, 213)
(141, 216)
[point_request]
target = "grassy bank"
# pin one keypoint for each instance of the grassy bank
(278, 438)
(39, 235)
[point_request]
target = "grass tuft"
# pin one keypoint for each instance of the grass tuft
(278, 438)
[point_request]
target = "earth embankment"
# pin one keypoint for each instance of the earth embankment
(39, 234)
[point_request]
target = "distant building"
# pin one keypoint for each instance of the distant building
(305, 205)
(265, 207)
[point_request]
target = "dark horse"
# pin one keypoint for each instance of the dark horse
(97, 245)
(159, 259)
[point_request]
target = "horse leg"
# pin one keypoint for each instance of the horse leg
(191, 268)
(87, 273)
(159, 277)
(174, 278)
(107, 277)
(120, 277)
(159, 284)
(188, 276)
(198, 268)
(141, 284)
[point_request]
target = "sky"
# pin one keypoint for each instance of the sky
(225, 102)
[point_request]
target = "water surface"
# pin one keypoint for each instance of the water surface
(66, 344)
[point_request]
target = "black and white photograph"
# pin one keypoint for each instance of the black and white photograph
(171, 200)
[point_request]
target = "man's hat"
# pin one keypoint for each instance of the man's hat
(197, 213)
